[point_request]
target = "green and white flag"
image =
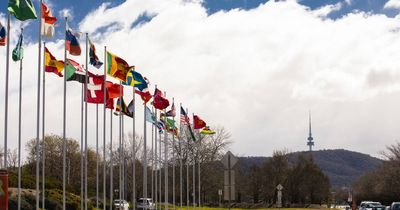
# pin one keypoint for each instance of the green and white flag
(18, 52)
(22, 9)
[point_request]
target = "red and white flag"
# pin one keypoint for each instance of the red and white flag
(48, 21)
(95, 89)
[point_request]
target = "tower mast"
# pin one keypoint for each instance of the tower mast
(310, 139)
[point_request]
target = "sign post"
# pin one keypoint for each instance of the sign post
(229, 161)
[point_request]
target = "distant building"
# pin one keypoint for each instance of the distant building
(310, 142)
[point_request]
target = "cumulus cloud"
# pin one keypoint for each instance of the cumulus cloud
(257, 72)
(392, 4)
(328, 9)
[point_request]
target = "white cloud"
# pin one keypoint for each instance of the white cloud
(66, 12)
(349, 2)
(324, 11)
(392, 4)
(256, 72)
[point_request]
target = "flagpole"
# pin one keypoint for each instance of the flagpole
(166, 159)
(6, 90)
(199, 152)
(64, 117)
(152, 160)
(86, 133)
(111, 162)
(82, 155)
(43, 136)
(120, 142)
(160, 163)
(173, 160)
(156, 160)
(180, 162)
(194, 176)
(19, 131)
(104, 131)
(187, 173)
(97, 156)
(134, 151)
(145, 156)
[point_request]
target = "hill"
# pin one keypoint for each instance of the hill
(342, 167)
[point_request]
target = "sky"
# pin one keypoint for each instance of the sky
(254, 67)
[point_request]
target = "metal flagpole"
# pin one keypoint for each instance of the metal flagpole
(134, 151)
(82, 155)
(144, 156)
(120, 142)
(123, 157)
(156, 160)
(194, 177)
(97, 156)
(64, 118)
(6, 90)
(38, 108)
(180, 163)
(187, 172)
(173, 163)
(104, 131)
(111, 162)
(19, 131)
(166, 159)
(199, 152)
(160, 164)
(86, 133)
(43, 136)
(152, 161)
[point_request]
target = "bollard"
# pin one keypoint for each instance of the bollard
(3, 190)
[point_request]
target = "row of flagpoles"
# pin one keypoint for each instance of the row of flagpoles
(97, 90)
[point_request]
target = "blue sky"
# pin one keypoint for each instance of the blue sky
(285, 58)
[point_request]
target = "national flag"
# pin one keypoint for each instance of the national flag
(72, 43)
(117, 67)
(172, 112)
(134, 78)
(207, 131)
(151, 118)
(198, 123)
(110, 103)
(185, 121)
(121, 106)
(94, 60)
(184, 118)
(22, 9)
(3, 35)
(113, 90)
(95, 89)
(169, 124)
(48, 22)
(51, 64)
(18, 52)
(159, 101)
(145, 95)
(74, 71)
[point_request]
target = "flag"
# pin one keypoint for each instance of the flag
(18, 52)
(3, 35)
(110, 103)
(172, 112)
(94, 60)
(207, 131)
(184, 118)
(198, 123)
(22, 9)
(74, 71)
(185, 121)
(169, 124)
(113, 90)
(159, 101)
(95, 89)
(72, 43)
(48, 21)
(51, 64)
(135, 79)
(151, 118)
(123, 108)
(145, 95)
(117, 67)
